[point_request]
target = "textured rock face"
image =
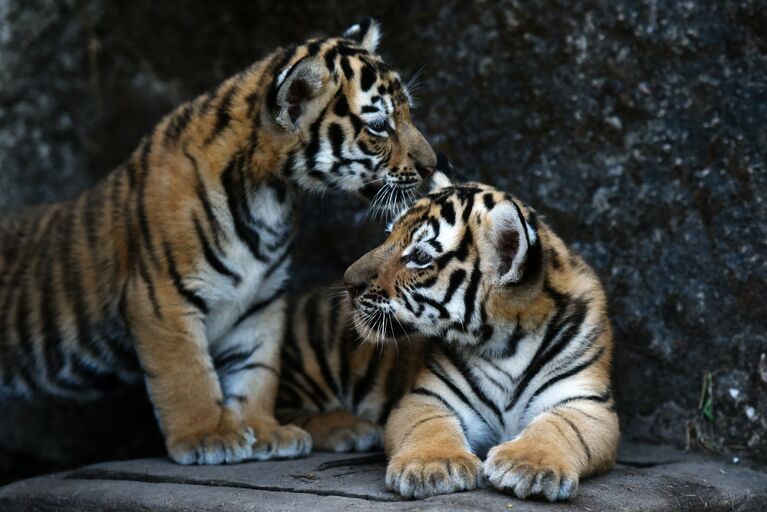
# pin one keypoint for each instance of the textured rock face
(638, 128)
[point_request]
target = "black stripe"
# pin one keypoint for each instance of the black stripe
(91, 216)
(447, 212)
(279, 261)
(330, 58)
(143, 220)
(310, 153)
(225, 359)
(344, 373)
(512, 342)
(222, 113)
(202, 194)
(210, 255)
(561, 328)
(426, 392)
(316, 394)
(471, 293)
(440, 374)
(316, 341)
(394, 389)
(176, 278)
(130, 170)
(421, 422)
(492, 380)
(489, 201)
(53, 357)
(468, 207)
(290, 378)
(368, 77)
(569, 373)
(341, 107)
(347, 68)
(463, 368)
(577, 433)
(236, 196)
(259, 306)
(143, 273)
(336, 137)
(75, 293)
(456, 278)
(254, 366)
(363, 386)
(26, 362)
(116, 225)
(602, 399)
(178, 124)
(420, 299)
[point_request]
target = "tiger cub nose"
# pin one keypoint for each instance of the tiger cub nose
(424, 171)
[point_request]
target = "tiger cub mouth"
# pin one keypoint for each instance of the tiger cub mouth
(378, 325)
(393, 197)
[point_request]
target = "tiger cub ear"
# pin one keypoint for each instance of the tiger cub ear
(512, 241)
(442, 176)
(366, 33)
(437, 181)
(303, 90)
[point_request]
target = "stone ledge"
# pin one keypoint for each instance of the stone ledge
(648, 478)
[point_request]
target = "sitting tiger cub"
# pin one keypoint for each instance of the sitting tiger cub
(514, 363)
(181, 255)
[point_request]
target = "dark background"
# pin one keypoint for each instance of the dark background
(638, 127)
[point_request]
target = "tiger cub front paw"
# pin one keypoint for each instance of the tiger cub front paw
(417, 475)
(227, 444)
(281, 442)
(524, 468)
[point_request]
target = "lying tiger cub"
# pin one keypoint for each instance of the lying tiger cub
(516, 366)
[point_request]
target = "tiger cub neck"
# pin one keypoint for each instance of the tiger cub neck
(231, 126)
(519, 312)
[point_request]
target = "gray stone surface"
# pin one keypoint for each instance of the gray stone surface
(637, 127)
(649, 478)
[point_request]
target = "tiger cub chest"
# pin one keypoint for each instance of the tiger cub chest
(253, 257)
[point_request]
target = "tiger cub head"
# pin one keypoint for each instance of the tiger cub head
(457, 265)
(351, 115)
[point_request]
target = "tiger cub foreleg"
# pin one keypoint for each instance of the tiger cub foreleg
(558, 447)
(427, 449)
(248, 363)
(182, 383)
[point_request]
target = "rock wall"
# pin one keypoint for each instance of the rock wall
(638, 128)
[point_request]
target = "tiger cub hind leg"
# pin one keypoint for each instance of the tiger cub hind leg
(340, 431)
(275, 441)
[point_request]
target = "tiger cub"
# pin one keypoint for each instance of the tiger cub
(512, 358)
(180, 256)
